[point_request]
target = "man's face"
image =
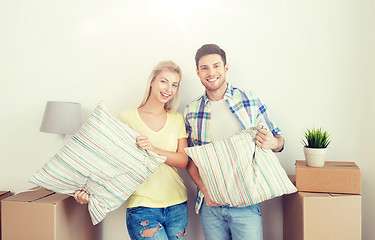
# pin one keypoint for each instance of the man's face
(211, 71)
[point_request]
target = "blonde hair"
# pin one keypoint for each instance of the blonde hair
(163, 66)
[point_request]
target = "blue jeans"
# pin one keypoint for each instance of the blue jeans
(157, 223)
(236, 223)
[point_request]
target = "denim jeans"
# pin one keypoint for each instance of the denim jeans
(157, 223)
(236, 223)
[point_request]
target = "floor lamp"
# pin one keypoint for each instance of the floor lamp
(61, 118)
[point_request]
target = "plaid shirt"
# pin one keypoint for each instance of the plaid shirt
(247, 108)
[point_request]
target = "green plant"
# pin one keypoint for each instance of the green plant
(316, 138)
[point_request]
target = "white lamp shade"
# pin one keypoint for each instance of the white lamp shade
(61, 117)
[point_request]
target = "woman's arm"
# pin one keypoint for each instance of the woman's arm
(177, 159)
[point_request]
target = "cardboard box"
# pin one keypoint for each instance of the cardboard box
(45, 215)
(323, 216)
(3, 194)
(333, 177)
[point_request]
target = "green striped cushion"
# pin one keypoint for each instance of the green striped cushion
(103, 159)
(238, 173)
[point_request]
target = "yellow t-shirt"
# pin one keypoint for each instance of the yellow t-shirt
(164, 187)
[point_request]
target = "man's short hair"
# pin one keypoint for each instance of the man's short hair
(210, 49)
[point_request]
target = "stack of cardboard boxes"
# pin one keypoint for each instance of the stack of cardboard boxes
(3, 194)
(327, 204)
(44, 215)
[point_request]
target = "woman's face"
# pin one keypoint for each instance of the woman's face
(164, 86)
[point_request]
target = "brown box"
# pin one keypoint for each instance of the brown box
(3, 194)
(333, 177)
(45, 215)
(323, 216)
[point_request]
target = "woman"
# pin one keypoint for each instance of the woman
(158, 208)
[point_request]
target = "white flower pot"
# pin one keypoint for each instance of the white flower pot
(315, 157)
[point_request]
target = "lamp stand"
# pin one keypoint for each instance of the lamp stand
(62, 139)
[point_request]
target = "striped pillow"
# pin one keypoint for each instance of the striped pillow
(103, 159)
(238, 173)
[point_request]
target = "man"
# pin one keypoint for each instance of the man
(219, 113)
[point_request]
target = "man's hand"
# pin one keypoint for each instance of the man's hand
(266, 140)
(209, 202)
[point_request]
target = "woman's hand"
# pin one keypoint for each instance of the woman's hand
(144, 143)
(81, 197)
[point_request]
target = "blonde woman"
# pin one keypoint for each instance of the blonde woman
(158, 208)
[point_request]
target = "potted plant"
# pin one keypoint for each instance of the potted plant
(316, 142)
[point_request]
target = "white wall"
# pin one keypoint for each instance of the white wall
(312, 62)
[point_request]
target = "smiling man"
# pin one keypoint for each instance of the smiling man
(221, 112)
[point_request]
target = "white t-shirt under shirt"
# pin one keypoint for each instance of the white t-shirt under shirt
(223, 122)
(164, 187)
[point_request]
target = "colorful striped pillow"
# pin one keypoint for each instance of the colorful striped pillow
(238, 173)
(103, 159)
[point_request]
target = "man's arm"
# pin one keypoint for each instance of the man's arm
(266, 140)
(280, 143)
(194, 174)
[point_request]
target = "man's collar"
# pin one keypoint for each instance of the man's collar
(228, 94)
